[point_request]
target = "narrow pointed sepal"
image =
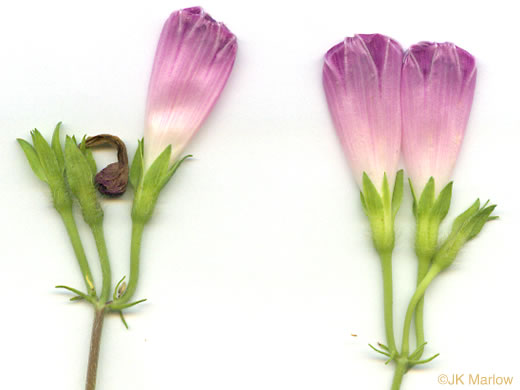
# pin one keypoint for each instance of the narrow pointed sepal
(33, 159)
(397, 196)
(137, 167)
(373, 200)
(56, 147)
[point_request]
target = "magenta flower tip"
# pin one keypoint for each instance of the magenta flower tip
(194, 58)
(425, 54)
(438, 83)
(361, 78)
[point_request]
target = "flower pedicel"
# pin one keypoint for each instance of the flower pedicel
(362, 77)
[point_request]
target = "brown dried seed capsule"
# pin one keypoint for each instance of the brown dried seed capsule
(113, 179)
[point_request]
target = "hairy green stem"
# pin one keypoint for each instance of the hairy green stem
(419, 292)
(386, 266)
(99, 237)
(422, 270)
(75, 239)
(95, 344)
(135, 252)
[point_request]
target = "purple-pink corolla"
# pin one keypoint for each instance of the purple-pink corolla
(194, 58)
(438, 83)
(362, 78)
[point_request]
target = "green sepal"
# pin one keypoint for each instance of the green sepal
(363, 203)
(56, 147)
(173, 169)
(427, 198)
(48, 159)
(81, 182)
(385, 190)
(442, 204)
(480, 220)
(379, 210)
(415, 201)
(373, 201)
(88, 155)
(34, 160)
(465, 216)
(155, 175)
(397, 196)
(429, 212)
(149, 186)
(44, 163)
(465, 227)
(137, 168)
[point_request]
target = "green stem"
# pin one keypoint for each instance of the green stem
(386, 266)
(400, 370)
(422, 270)
(95, 344)
(99, 237)
(75, 239)
(419, 292)
(135, 251)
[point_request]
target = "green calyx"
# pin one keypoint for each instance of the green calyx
(148, 184)
(429, 213)
(465, 227)
(80, 169)
(47, 163)
(381, 209)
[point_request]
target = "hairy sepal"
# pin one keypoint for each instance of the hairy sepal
(80, 177)
(429, 212)
(465, 227)
(151, 182)
(381, 209)
(45, 163)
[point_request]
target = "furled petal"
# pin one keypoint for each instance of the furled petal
(193, 61)
(362, 77)
(438, 83)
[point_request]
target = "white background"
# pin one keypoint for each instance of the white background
(257, 264)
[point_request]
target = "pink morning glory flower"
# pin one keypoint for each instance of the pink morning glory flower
(194, 58)
(438, 82)
(362, 78)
